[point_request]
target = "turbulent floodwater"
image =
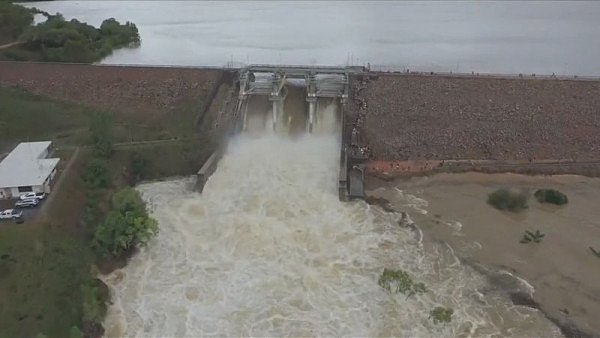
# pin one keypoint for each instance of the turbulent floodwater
(542, 37)
(268, 250)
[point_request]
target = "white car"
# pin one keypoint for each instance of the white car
(10, 214)
(30, 195)
(31, 202)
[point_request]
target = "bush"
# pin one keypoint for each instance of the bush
(101, 131)
(94, 301)
(503, 199)
(530, 236)
(441, 315)
(97, 174)
(126, 226)
(140, 166)
(551, 196)
(400, 281)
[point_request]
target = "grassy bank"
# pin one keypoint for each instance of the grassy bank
(47, 265)
(41, 271)
(28, 117)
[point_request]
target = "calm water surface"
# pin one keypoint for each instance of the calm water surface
(499, 37)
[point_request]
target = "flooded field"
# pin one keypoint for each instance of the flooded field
(452, 208)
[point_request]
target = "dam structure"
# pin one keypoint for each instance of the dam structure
(320, 84)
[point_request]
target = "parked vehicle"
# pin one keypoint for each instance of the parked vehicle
(32, 202)
(10, 214)
(36, 195)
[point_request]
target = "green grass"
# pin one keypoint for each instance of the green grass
(28, 117)
(41, 270)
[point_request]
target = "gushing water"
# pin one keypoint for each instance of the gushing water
(268, 250)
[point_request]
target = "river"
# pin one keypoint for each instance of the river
(267, 249)
(493, 37)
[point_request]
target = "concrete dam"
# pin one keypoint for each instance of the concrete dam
(297, 100)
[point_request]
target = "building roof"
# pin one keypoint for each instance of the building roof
(26, 165)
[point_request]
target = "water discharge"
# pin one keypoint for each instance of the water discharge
(268, 250)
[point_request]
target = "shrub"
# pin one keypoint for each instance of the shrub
(551, 196)
(441, 315)
(126, 226)
(97, 174)
(94, 301)
(101, 131)
(400, 281)
(503, 199)
(140, 166)
(535, 237)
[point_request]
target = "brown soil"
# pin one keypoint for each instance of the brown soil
(404, 117)
(147, 90)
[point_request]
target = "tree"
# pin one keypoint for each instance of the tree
(126, 226)
(101, 130)
(14, 19)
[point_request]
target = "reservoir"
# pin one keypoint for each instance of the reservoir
(441, 36)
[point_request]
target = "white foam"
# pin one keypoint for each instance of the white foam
(268, 250)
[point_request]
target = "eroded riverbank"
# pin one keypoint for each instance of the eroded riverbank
(452, 208)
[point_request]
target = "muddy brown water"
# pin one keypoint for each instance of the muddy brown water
(562, 269)
(268, 249)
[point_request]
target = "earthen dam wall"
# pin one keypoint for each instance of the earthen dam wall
(417, 123)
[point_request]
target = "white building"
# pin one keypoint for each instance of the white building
(27, 169)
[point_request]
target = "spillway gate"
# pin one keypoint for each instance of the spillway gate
(320, 82)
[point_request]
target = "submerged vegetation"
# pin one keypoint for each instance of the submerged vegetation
(441, 314)
(400, 281)
(535, 237)
(595, 252)
(60, 40)
(504, 199)
(551, 196)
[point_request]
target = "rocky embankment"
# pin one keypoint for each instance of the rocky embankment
(147, 90)
(417, 117)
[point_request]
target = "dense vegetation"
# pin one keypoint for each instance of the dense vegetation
(126, 226)
(14, 20)
(551, 196)
(42, 272)
(503, 199)
(60, 40)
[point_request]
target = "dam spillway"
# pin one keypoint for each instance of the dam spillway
(317, 100)
(267, 249)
